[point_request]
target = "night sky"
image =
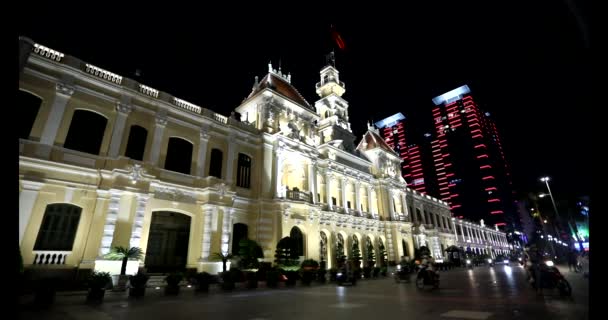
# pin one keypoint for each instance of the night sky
(526, 63)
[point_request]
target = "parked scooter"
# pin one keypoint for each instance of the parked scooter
(551, 278)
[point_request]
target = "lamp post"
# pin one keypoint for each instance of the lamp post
(557, 216)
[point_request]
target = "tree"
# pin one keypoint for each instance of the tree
(383, 256)
(355, 253)
(371, 257)
(125, 254)
(285, 254)
(249, 252)
(340, 257)
(222, 257)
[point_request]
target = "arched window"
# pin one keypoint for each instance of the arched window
(243, 178)
(86, 132)
(136, 145)
(28, 106)
(239, 232)
(215, 166)
(58, 228)
(179, 155)
(298, 241)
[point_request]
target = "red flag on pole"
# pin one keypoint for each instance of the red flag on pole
(337, 38)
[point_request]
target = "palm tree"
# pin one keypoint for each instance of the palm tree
(223, 257)
(125, 254)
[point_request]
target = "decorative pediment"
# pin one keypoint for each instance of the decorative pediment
(175, 195)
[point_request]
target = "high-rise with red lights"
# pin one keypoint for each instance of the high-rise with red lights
(472, 173)
(415, 153)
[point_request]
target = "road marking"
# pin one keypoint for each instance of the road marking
(467, 314)
(346, 305)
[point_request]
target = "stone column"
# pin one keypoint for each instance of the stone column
(404, 205)
(138, 221)
(27, 199)
(414, 217)
(312, 181)
(226, 230)
(232, 144)
(423, 215)
(454, 228)
(328, 178)
(110, 224)
(358, 197)
(279, 154)
(434, 215)
(63, 92)
(343, 194)
(369, 200)
(209, 225)
(202, 152)
(391, 204)
(122, 112)
(159, 129)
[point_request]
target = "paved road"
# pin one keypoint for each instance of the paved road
(483, 293)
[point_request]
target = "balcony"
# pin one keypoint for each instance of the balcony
(50, 257)
(298, 195)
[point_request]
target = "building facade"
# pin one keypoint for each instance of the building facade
(472, 173)
(183, 182)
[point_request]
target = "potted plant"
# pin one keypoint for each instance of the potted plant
(138, 285)
(321, 275)
(125, 254)
(202, 281)
(98, 282)
(173, 281)
(308, 270)
(252, 279)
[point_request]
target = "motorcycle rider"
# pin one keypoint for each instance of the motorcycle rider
(429, 264)
(535, 258)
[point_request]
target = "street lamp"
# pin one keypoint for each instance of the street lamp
(546, 181)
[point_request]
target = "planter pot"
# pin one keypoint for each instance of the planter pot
(272, 283)
(137, 292)
(252, 284)
(228, 286)
(172, 290)
(202, 287)
(96, 294)
(120, 282)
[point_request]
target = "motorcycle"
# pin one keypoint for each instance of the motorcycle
(521, 261)
(490, 263)
(550, 278)
(469, 263)
(427, 277)
(344, 276)
(402, 274)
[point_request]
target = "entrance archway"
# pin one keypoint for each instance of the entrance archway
(298, 241)
(167, 249)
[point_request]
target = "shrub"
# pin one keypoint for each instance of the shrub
(99, 280)
(367, 272)
(309, 264)
(174, 279)
(139, 280)
(321, 275)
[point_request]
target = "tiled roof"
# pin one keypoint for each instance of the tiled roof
(282, 87)
(372, 140)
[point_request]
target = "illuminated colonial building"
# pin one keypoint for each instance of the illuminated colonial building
(183, 182)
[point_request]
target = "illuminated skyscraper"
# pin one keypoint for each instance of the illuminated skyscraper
(472, 173)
